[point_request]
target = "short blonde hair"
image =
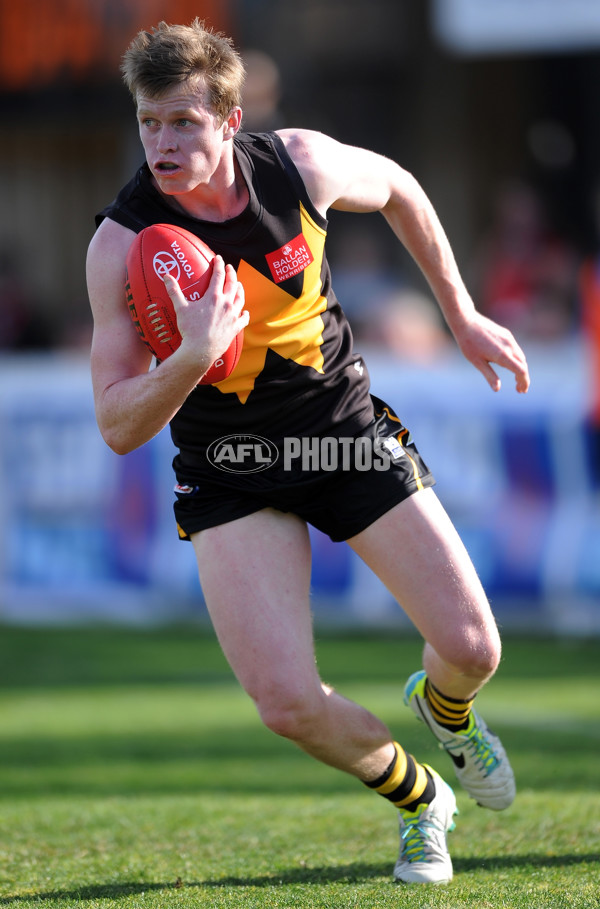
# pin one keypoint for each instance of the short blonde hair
(171, 55)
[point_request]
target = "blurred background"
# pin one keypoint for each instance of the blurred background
(493, 107)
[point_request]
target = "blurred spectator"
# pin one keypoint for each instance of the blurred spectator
(76, 332)
(20, 328)
(409, 324)
(524, 274)
(261, 92)
(589, 286)
(360, 275)
(382, 310)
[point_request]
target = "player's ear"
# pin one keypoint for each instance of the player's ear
(232, 123)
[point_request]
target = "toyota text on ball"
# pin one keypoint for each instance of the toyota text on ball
(167, 263)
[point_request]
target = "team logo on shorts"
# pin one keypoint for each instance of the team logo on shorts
(242, 453)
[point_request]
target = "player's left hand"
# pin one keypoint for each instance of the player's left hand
(484, 342)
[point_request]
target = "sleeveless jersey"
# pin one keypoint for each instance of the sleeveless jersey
(297, 374)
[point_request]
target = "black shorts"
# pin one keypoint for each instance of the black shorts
(338, 484)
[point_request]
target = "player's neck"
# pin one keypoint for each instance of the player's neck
(209, 203)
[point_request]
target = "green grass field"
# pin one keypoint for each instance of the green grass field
(135, 773)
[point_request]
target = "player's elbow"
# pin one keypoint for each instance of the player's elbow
(117, 441)
(114, 421)
(121, 448)
(116, 433)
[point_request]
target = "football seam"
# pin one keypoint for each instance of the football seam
(151, 302)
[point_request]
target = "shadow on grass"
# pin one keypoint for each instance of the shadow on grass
(354, 873)
(208, 759)
(58, 657)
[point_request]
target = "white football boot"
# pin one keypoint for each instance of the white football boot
(479, 758)
(424, 856)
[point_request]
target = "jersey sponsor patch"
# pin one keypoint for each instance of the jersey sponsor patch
(290, 259)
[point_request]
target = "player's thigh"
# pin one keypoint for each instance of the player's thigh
(417, 553)
(255, 576)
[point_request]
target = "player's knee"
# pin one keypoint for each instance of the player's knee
(479, 655)
(471, 650)
(288, 714)
(481, 664)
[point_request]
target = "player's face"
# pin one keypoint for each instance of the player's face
(183, 137)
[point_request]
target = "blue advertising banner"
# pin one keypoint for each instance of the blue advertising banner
(89, 535)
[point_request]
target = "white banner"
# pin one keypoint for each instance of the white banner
(509, 26)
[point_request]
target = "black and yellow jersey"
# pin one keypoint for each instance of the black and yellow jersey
(298, 374)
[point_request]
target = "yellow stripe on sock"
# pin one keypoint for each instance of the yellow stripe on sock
(446, 710)
(456, 716)
(417, 789)
(449, 703)
(398, 773)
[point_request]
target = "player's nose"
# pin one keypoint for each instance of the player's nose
(167, 140)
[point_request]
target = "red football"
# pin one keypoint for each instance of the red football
(162, 249)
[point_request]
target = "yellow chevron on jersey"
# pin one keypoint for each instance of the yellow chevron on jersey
(290, 326)
(297, 374)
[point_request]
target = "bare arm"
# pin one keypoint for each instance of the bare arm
(355, 180)
(132, 404)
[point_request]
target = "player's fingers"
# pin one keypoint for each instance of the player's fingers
(217, 278)
(521, 371)
(516, 362)
(522, 379)
(239, 300)
(174, 290)
(244, 319)
(230, 282)
(490, 375)
(234, 290)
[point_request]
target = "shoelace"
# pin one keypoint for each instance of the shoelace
(479, 745)
(414, 836)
